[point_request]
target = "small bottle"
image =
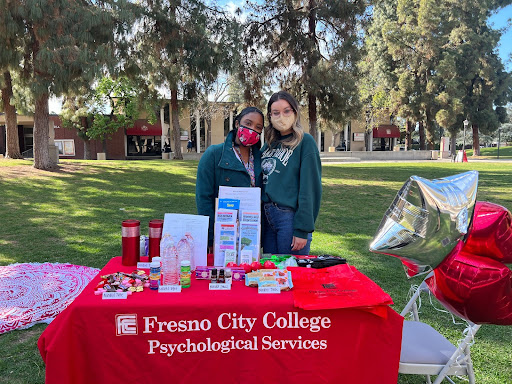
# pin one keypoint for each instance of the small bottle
(154, 275)
(228, 275)
(213, 276)
(221, 279)
(185, 274)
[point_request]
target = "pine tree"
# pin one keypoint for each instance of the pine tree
(11, 41)
(311, 48)
(444, 61)
(67, 44)
(486, 86)
(180, 45)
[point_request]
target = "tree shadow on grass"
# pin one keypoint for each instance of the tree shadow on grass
(76, 216)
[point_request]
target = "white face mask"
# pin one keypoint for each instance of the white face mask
(282, 123)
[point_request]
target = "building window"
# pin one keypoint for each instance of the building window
(66, 147)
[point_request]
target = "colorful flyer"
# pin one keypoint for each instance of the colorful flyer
(225, 234)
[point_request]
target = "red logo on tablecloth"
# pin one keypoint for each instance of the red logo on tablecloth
(126, 325)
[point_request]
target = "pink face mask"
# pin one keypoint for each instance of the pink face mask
(247, 136)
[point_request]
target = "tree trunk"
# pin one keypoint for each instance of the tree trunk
(476, 141)
(208, 132)
(87, 142)
(42, 159)
(176, 131)
(453, 143)
(408, 135)
(422, 135)
(12, 148)
(87, 150)
(313, 58)
(104, 147)
(335, 136)
(312, 116)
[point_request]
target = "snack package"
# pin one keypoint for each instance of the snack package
(270, 278)
(203, 273)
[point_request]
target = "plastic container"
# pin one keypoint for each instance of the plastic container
(154, 275)
(185, 275)
(155, 235)
(170, 267)
(130, 242)
(184, 247)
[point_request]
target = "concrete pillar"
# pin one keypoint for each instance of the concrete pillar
(345, 136)
(370, 141)
(52, 148)
(198, 132)
(319, 139)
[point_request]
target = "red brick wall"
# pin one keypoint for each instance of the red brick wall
(115, 146)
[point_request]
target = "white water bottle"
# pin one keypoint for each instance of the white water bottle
(170, 266)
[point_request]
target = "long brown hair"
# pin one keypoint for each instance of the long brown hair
(272, 135)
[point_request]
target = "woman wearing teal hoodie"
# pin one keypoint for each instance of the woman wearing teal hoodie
(292, 180)
(234, 163)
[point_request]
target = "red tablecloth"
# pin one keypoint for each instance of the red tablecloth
(94, 340)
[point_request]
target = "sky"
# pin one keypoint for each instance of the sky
(499, 20)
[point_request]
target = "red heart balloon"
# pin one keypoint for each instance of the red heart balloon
(491, 232)
(477, 288)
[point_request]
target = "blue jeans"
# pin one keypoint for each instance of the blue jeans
(278, 231)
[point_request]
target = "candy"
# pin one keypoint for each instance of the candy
(123, 282)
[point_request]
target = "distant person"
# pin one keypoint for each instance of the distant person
(292, 180)
(189, 145)
(234, 163)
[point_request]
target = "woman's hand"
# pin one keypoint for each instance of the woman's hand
(298, 243)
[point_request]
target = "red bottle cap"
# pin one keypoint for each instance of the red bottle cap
(131, 223)
(156, 223)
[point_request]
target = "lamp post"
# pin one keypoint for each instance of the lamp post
(499, 139)
(466, 123)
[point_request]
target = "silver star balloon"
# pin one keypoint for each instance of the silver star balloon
(426, 220)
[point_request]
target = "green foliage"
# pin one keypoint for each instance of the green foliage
(438, 63)
(111, 105)
(311, 50)
(182, 46)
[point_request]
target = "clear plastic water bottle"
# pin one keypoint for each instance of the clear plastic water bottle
(185, 252)
(170, 263)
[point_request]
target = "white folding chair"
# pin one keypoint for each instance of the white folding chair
(426, 352)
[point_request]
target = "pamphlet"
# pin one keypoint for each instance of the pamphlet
(192, 229)
(225, 233)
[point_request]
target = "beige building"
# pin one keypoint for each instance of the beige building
(350, 137)
(144, 140)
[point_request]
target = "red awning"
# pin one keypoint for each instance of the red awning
(144, 128)
(386, 131)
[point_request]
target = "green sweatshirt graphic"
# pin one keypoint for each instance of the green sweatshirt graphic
(293, 178)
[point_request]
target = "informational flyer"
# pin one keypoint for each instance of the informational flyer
(249, 235)
(250, 198)
(225, 234)
(229, 204)
(190, 231)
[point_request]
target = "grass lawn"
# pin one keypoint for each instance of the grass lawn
(74, 216)
(492, 152)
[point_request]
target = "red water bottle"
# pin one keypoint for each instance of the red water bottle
(131, 242)
(155, 234)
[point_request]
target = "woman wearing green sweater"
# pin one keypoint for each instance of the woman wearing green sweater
(234, 163)
(292, 180)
